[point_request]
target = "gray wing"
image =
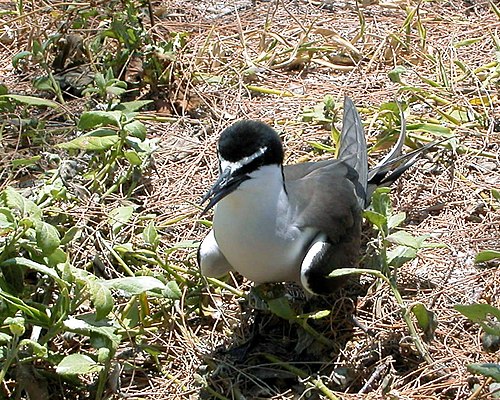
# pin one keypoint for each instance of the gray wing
(325, 198)
(327, 202)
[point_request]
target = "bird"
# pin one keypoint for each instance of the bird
(292, 223)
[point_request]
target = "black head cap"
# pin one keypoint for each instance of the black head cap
(245, 138)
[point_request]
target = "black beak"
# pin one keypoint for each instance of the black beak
(227, 182)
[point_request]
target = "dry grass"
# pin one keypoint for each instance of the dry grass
(231, 349)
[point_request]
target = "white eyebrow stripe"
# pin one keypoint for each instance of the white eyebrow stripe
(224, 164)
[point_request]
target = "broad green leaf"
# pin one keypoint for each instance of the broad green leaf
(489, 370)
(426, 319)
(131, 106)
(14, 200)
(103, 355)
(7, 223)
(172, 291)
(137, 129)
(119, 216)
(87, 325)
(58, 256)
(115, 90)
(395, 220)
(403, 238)
(480, 314)
(95, 119)
(34, 266)
(47, 237)
(101, 298)
(150, 235)
(98, 140)
(486, 255)
(78, 364)
(281, 307)
(39, 317)
(400, 255)
(135, 285)
(132, 157)
(30, 100)
(381, 202)
(376, 219)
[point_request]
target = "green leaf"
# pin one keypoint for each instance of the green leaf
(132, 157)
(480, 314)
(403, 238)
(31, 100)
(172, 291)
(137, 129)
(281, 307)
(376, 219)
(78, 364)
(395, 74)
(87, 325)
(400, 255)
(486, 255)
(39, 317)
(428, 127)
(22, 162)
(467, 42)
(43, 269)
(316, 315)
(101, 298)
(395, 220)
(426, 319)
(7, 222)
(98, 140)
(496, 194)
(131, 286)
(381, 202)
(27, 209)
(47, 237)
(70, 235)
(489, 370)
(95, 119)
(119, 216)
(19, 56)
(131, 106)
(150, 235)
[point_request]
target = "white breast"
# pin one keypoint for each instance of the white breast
(254, 229)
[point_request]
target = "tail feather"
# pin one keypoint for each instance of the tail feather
(353, 152)
(353, 146)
